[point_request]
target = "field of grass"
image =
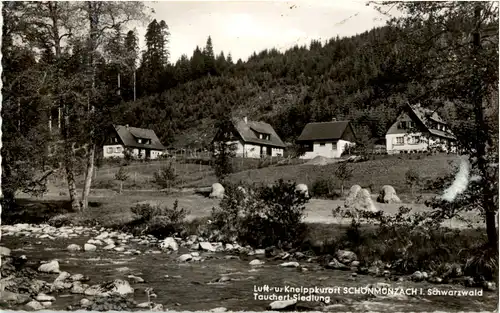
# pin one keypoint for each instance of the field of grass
(189, 171)
(372, 174)
(193, 173)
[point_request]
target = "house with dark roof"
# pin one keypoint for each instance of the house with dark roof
(254, 139)
(419, 129)
(326, 139)
(139, 142)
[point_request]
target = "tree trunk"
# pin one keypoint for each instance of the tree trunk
(121, 187)
(483, 139)
(88, 177)
(491, 229)
(70, 177)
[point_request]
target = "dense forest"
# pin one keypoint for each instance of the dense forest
(343, 78)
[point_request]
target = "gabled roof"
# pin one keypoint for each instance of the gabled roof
(247, 131)
(129, 134)
(323, 131)
(426, 117)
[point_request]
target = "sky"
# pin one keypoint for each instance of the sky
(244, 27)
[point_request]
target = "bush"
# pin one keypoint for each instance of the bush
(322, 188)
(412, 179)
(415, 241)
(157, 220)
(266, 216)
(165, 177)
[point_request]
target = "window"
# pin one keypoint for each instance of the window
(308, 148)
(400, 141)
(118, 149)
(322, 144)
(110, 150)
(115, 139)
(334, 146)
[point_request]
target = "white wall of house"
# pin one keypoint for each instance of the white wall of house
(113, 151)
(116, 151)
(277, 152)
(415, 142)
(327, 149)
(248, 150)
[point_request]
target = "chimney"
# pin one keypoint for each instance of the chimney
(245, 119)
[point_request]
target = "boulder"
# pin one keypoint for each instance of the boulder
(207, 246)
(185, 257)
(118, 286)
(302, 189)
(51, 267)
(74, 247)
(280, 305)
(388, 195)
(89, 247)
(346, 256)
(4, 251)
(85, 303)
(34, 305)
(135, 279)
(256, 262)
(63, 276)
(336, 265)
(44, 298)
(290, 264)
(217, 191)
(169, 243)
(8, 296)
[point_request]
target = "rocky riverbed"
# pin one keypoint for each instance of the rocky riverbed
(44, 267)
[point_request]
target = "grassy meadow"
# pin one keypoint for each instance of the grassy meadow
(197, 173)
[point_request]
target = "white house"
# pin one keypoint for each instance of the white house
(139, 142)
(418, 129)
(326, 139)
(254, 139)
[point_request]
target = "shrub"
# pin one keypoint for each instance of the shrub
(122, 175)
(165, 177)
(344, 173)
(412, 179)
(159, 221)
(322, 188)
(262, 217)
(415, 241)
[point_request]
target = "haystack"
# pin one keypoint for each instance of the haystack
(360, 199)
(388, 195)
(351, 197)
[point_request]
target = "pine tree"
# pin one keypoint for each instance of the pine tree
(209, 57)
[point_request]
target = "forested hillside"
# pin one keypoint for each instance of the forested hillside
(343, 78)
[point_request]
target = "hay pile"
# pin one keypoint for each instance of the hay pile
(360, 199)
(388, 195)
